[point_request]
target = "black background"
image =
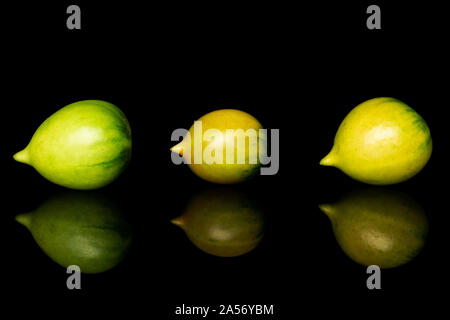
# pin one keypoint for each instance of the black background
(299, 69)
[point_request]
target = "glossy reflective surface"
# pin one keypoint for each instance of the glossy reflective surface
(79, 228)
(378, 226)
(223, 222)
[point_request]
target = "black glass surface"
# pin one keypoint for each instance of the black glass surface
(297, 68)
